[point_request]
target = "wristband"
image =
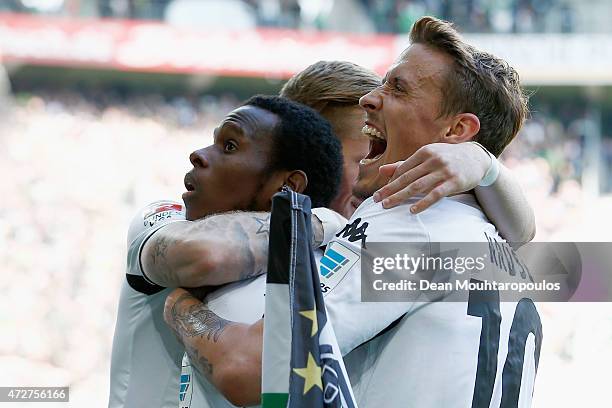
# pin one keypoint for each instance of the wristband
(492, 173)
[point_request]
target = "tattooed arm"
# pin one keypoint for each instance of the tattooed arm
(227, 353)
(215, 250)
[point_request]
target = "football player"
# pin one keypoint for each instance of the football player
(234, 349)
(267, 143)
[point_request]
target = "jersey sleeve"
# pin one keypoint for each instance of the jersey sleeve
(146, 222)
(354, 321)
(331, 220)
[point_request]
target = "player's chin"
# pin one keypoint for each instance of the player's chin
(192, 207)
(191, 213)
(189, 216)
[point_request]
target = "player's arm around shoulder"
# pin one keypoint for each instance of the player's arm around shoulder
(147, 222)
(440, 170)
(217, 249)
(227, 353)
(214, 250)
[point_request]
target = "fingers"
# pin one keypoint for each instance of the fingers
(387, 170)
(413, 161)
(422, 185)
(435, 195)
(175, 294)
(436, 170)
(405, 171)
(401, 183)
(172, 299)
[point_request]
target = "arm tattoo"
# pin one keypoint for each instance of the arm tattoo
(209, 224)
(201, 363)
(248, 240)
(158, 255)
(158, 258)
(243, 238)
(248, 258)
(264, 225)
(197, 320)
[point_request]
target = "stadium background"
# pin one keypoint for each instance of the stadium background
(102, 100)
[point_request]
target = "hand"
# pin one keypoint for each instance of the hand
(178, 295)
(436, 170)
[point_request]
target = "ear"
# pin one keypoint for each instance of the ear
(463, 128)
(296, 180)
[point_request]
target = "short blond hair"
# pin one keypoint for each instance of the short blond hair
(330, 84)
(479, 83)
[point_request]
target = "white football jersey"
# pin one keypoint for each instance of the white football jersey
(242, 302)
(146, 356)
(427, 354)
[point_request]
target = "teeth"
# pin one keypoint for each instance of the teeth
(371, 131)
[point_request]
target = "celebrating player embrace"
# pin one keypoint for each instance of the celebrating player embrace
(440, 93)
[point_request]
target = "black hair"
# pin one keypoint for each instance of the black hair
(304, 140)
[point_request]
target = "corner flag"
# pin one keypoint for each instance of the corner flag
(302, 364)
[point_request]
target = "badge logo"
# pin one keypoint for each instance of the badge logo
(353, 232)
(162, 211)
(335, 263)
(164, 206)
(186, 389)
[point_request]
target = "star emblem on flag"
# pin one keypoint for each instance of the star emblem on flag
(311, 374)
(311, 315)
(302, 364)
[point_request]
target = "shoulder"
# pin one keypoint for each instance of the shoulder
(380, 224)
(458, 218)
(153, 216)
(144, 224)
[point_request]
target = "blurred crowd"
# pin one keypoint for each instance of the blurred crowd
(549, 159)
(76, 172)
(480, 16)
(383, 16)
(77, 169)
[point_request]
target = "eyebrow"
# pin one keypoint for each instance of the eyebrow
(396, 78)
(232, 126)
(402, 82)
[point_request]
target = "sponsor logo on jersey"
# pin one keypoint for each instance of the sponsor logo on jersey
(169, 206)
(335, 263)
(354, 232)
(160, 212)
(186, 389)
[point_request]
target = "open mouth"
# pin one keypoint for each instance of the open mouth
(188, 183)
(378, 144)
